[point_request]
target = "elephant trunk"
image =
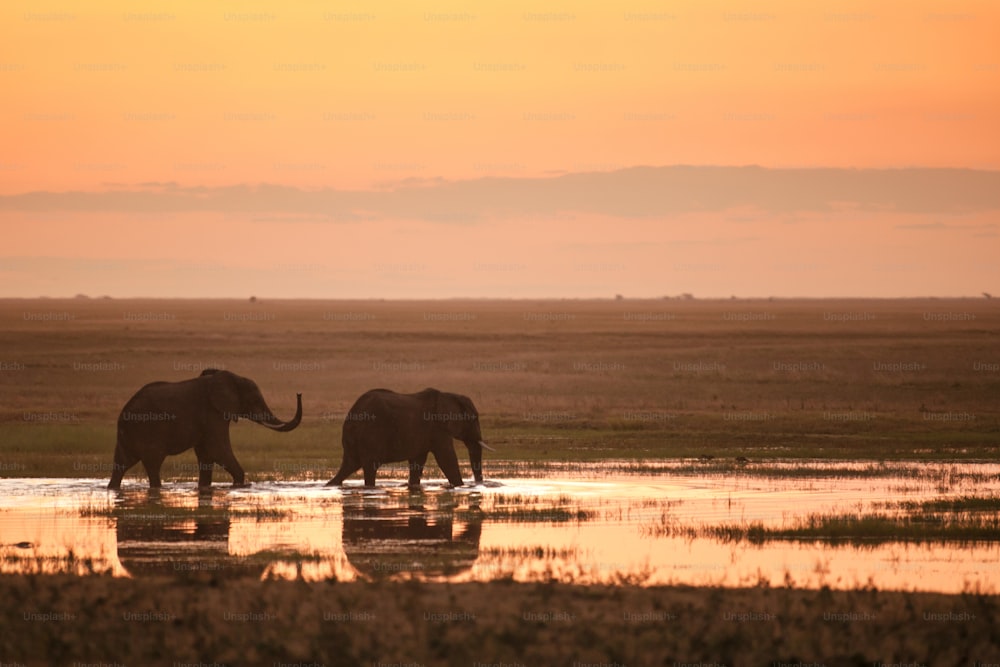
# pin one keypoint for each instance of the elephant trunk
(276, 424)
(476, 459)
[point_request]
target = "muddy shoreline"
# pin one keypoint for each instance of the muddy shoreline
(52, 620)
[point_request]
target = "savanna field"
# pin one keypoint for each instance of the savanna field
(553, 380)
(709, 390)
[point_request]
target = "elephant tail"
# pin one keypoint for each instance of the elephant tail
(120, 437)
(120, 464)
(124, 435)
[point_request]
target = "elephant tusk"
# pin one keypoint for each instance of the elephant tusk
(485, 446)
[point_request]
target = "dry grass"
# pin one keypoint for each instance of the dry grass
(571, 380)
(61, 619)
(866, 530)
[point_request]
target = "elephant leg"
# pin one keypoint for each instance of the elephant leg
(153, 463)
(348, 467)
(233, 467)
(369, 468)
(216, 448)
(447, 460)
(417, 469)
(204, 473)
(122, 463)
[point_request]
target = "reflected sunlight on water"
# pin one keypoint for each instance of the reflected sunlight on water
(585, 523)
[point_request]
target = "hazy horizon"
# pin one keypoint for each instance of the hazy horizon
(623, 298)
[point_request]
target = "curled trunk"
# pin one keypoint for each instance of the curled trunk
(276, 424)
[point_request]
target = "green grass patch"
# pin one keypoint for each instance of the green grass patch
(859, 530)
(313, 451)
(951, 505)
(521, 508)
(259, 510)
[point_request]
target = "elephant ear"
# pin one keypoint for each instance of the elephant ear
(457, 404)
(439, 401)
(452, 404)
(224, 396)
(468, 407)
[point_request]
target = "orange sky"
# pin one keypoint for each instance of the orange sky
(356, 98)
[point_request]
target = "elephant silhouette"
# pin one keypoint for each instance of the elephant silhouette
(416, 534)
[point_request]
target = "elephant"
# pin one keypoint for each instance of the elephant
(384, 426)
(166, 418)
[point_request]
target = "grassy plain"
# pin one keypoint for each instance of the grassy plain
(558, 380)
(639, 382)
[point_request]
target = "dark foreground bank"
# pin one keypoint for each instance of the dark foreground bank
(62, 620)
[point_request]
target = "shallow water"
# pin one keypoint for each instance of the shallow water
(588, 523)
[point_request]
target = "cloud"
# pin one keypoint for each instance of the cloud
(636, 192)
(717, 241)
(937, 226)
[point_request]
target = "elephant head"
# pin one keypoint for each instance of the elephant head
(238, 398)
(459, 416)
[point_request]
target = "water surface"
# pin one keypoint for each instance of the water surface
(586, 523)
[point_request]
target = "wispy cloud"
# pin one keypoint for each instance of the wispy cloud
(636, 192)
(938, 226)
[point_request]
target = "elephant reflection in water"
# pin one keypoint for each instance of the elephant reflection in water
(412, 534)
(158, 539)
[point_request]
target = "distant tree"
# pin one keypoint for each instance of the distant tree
(618, 297)
(687, 296)
(253, 299)
(81, 296)
(987, 295)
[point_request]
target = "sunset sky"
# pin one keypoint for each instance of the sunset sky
(445, 149)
